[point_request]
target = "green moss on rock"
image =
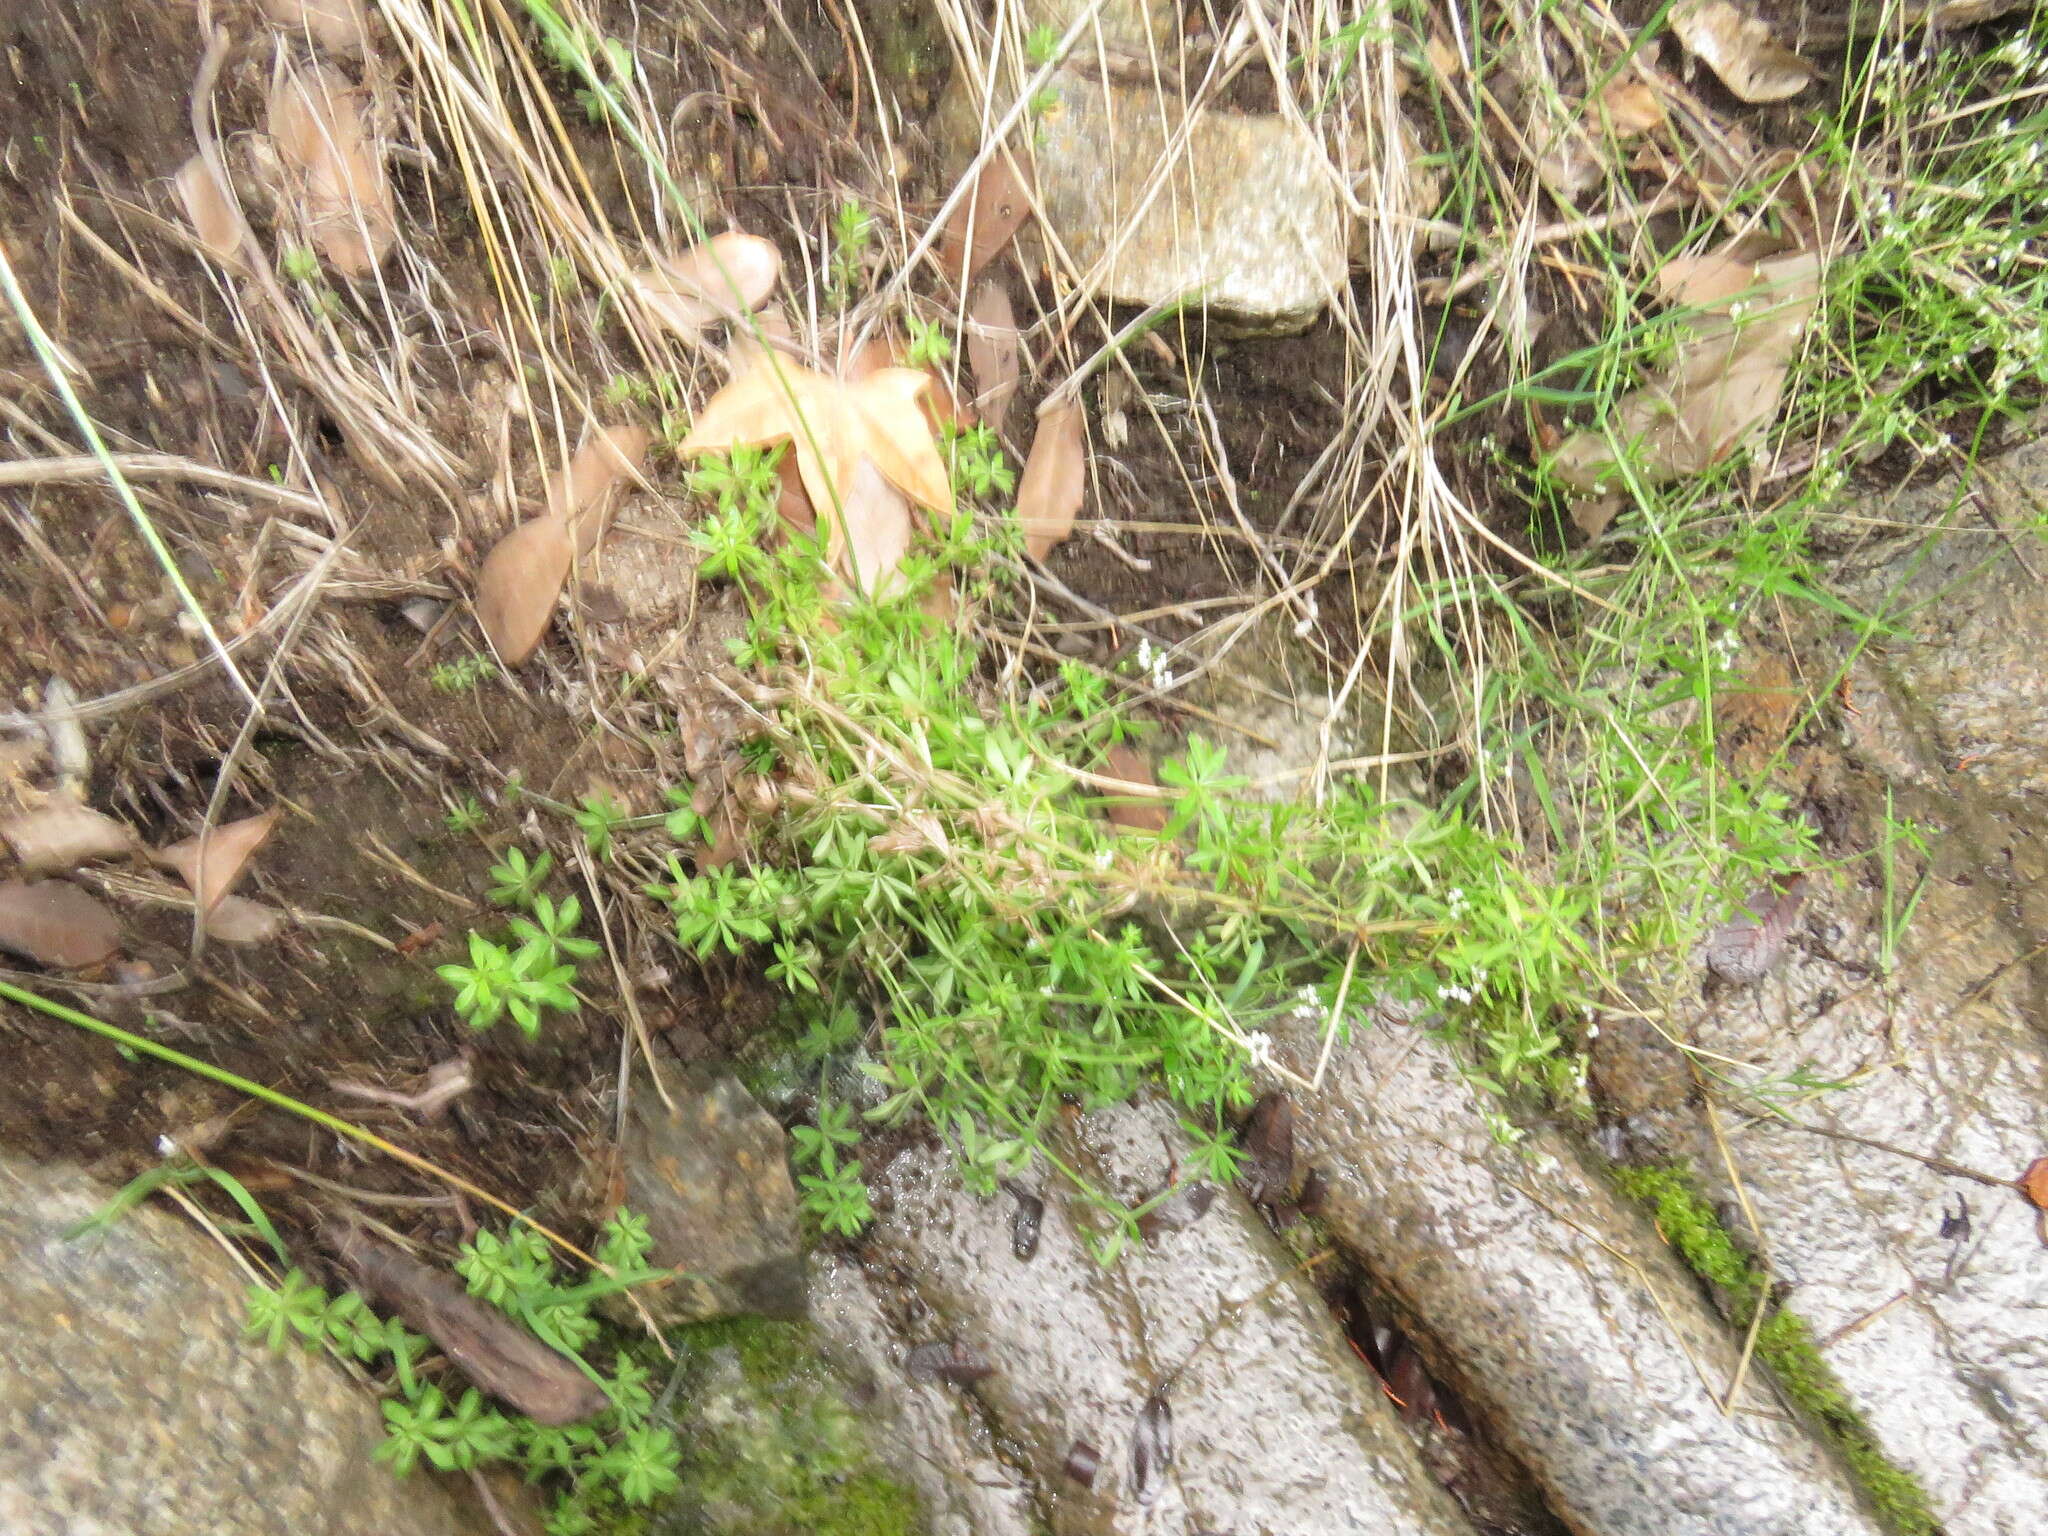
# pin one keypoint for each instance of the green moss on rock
(770, 1443)
(1784, 1342)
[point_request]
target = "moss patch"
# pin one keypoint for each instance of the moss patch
(1784, 1343)
(771, 1445)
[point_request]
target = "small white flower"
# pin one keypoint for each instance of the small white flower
(1258, 1049)
(165, 1147)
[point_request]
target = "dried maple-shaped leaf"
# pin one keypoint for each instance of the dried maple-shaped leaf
(582, 494)
(1055, 479)
(335, 168)
(1741, 50)
(62, 835)
(1151, 1449)
(1744, 949)
(993, 350)
(878, 352)
(725, 276)
(211, 865)
(833, 429)
(215, 219)
(984, 221)
(517, 587)
(1721, 390)
(498, 1354)
(336, 25)
(876, 519)
(56, 924)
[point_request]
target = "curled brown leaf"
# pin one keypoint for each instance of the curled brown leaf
(725, 276)
(993, 351)
(1055, 479)
(215, 219)
(1741, 50)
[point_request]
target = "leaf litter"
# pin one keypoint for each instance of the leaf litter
(517, 587)
(985, 220)
(1748, 947)
(56, 924)
(211, 865)
(1055, 479)
(63, 834)
(720, 279)
(994, 350)
(1152, 1449)
(334, 168)
(1741, 50)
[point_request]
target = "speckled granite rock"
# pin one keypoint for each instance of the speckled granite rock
(1276, 1425)
(712, 1179)
(1552, 1307)
(131, 1405)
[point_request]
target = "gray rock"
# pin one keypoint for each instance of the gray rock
(1941, 1340)
(1245, 215)
(712, 1178)
(131, 1405)
(1553, 1309)
(932, 1435)
(1277, 1426)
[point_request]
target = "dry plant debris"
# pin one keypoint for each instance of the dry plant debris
(63, 834)
(584, 493)
(1055, 479)
(1725, 383)
(1741, 50)
(215, 219)
(338, 26)
(55, 924)
(333, 167)
(724, 277)
(994, 350)
(211, 866)
(834, 428)
(1137, 812)
(1746, 949)
(984, 221)
(517, 587)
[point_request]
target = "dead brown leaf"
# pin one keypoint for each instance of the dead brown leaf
(238, 920)
(215, 219)
(2034, 1182)
(834, 428)
(1721, 391)
(985, 221)
(1741, 50)
(334, 168)
(1140, 813)
(211, 875)
(723, 277)
(582, 494)
(879, 352)
(336, 25)
(1055, 479)
(55, 924)
(1632, 107)
(993, 351)
(1754, 718)
(517, 587)
(877, 522)
(62, 834)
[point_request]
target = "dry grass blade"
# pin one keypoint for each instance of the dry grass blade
(56, 924)
(1055, 479)
(517, 587)
(994, 350)
(725, 276)
(984, 223)
(335, 167)
(211, 865)
(583, 494)
(1741, 50)
(338, 26)
(63, 835)
(215, 219)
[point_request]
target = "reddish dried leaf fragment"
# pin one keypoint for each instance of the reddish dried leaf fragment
(1137, 812)
(985, 220)
(993, 351)
(584, 493)
(2034, 1182)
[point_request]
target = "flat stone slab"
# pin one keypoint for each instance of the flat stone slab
(132, 1405)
